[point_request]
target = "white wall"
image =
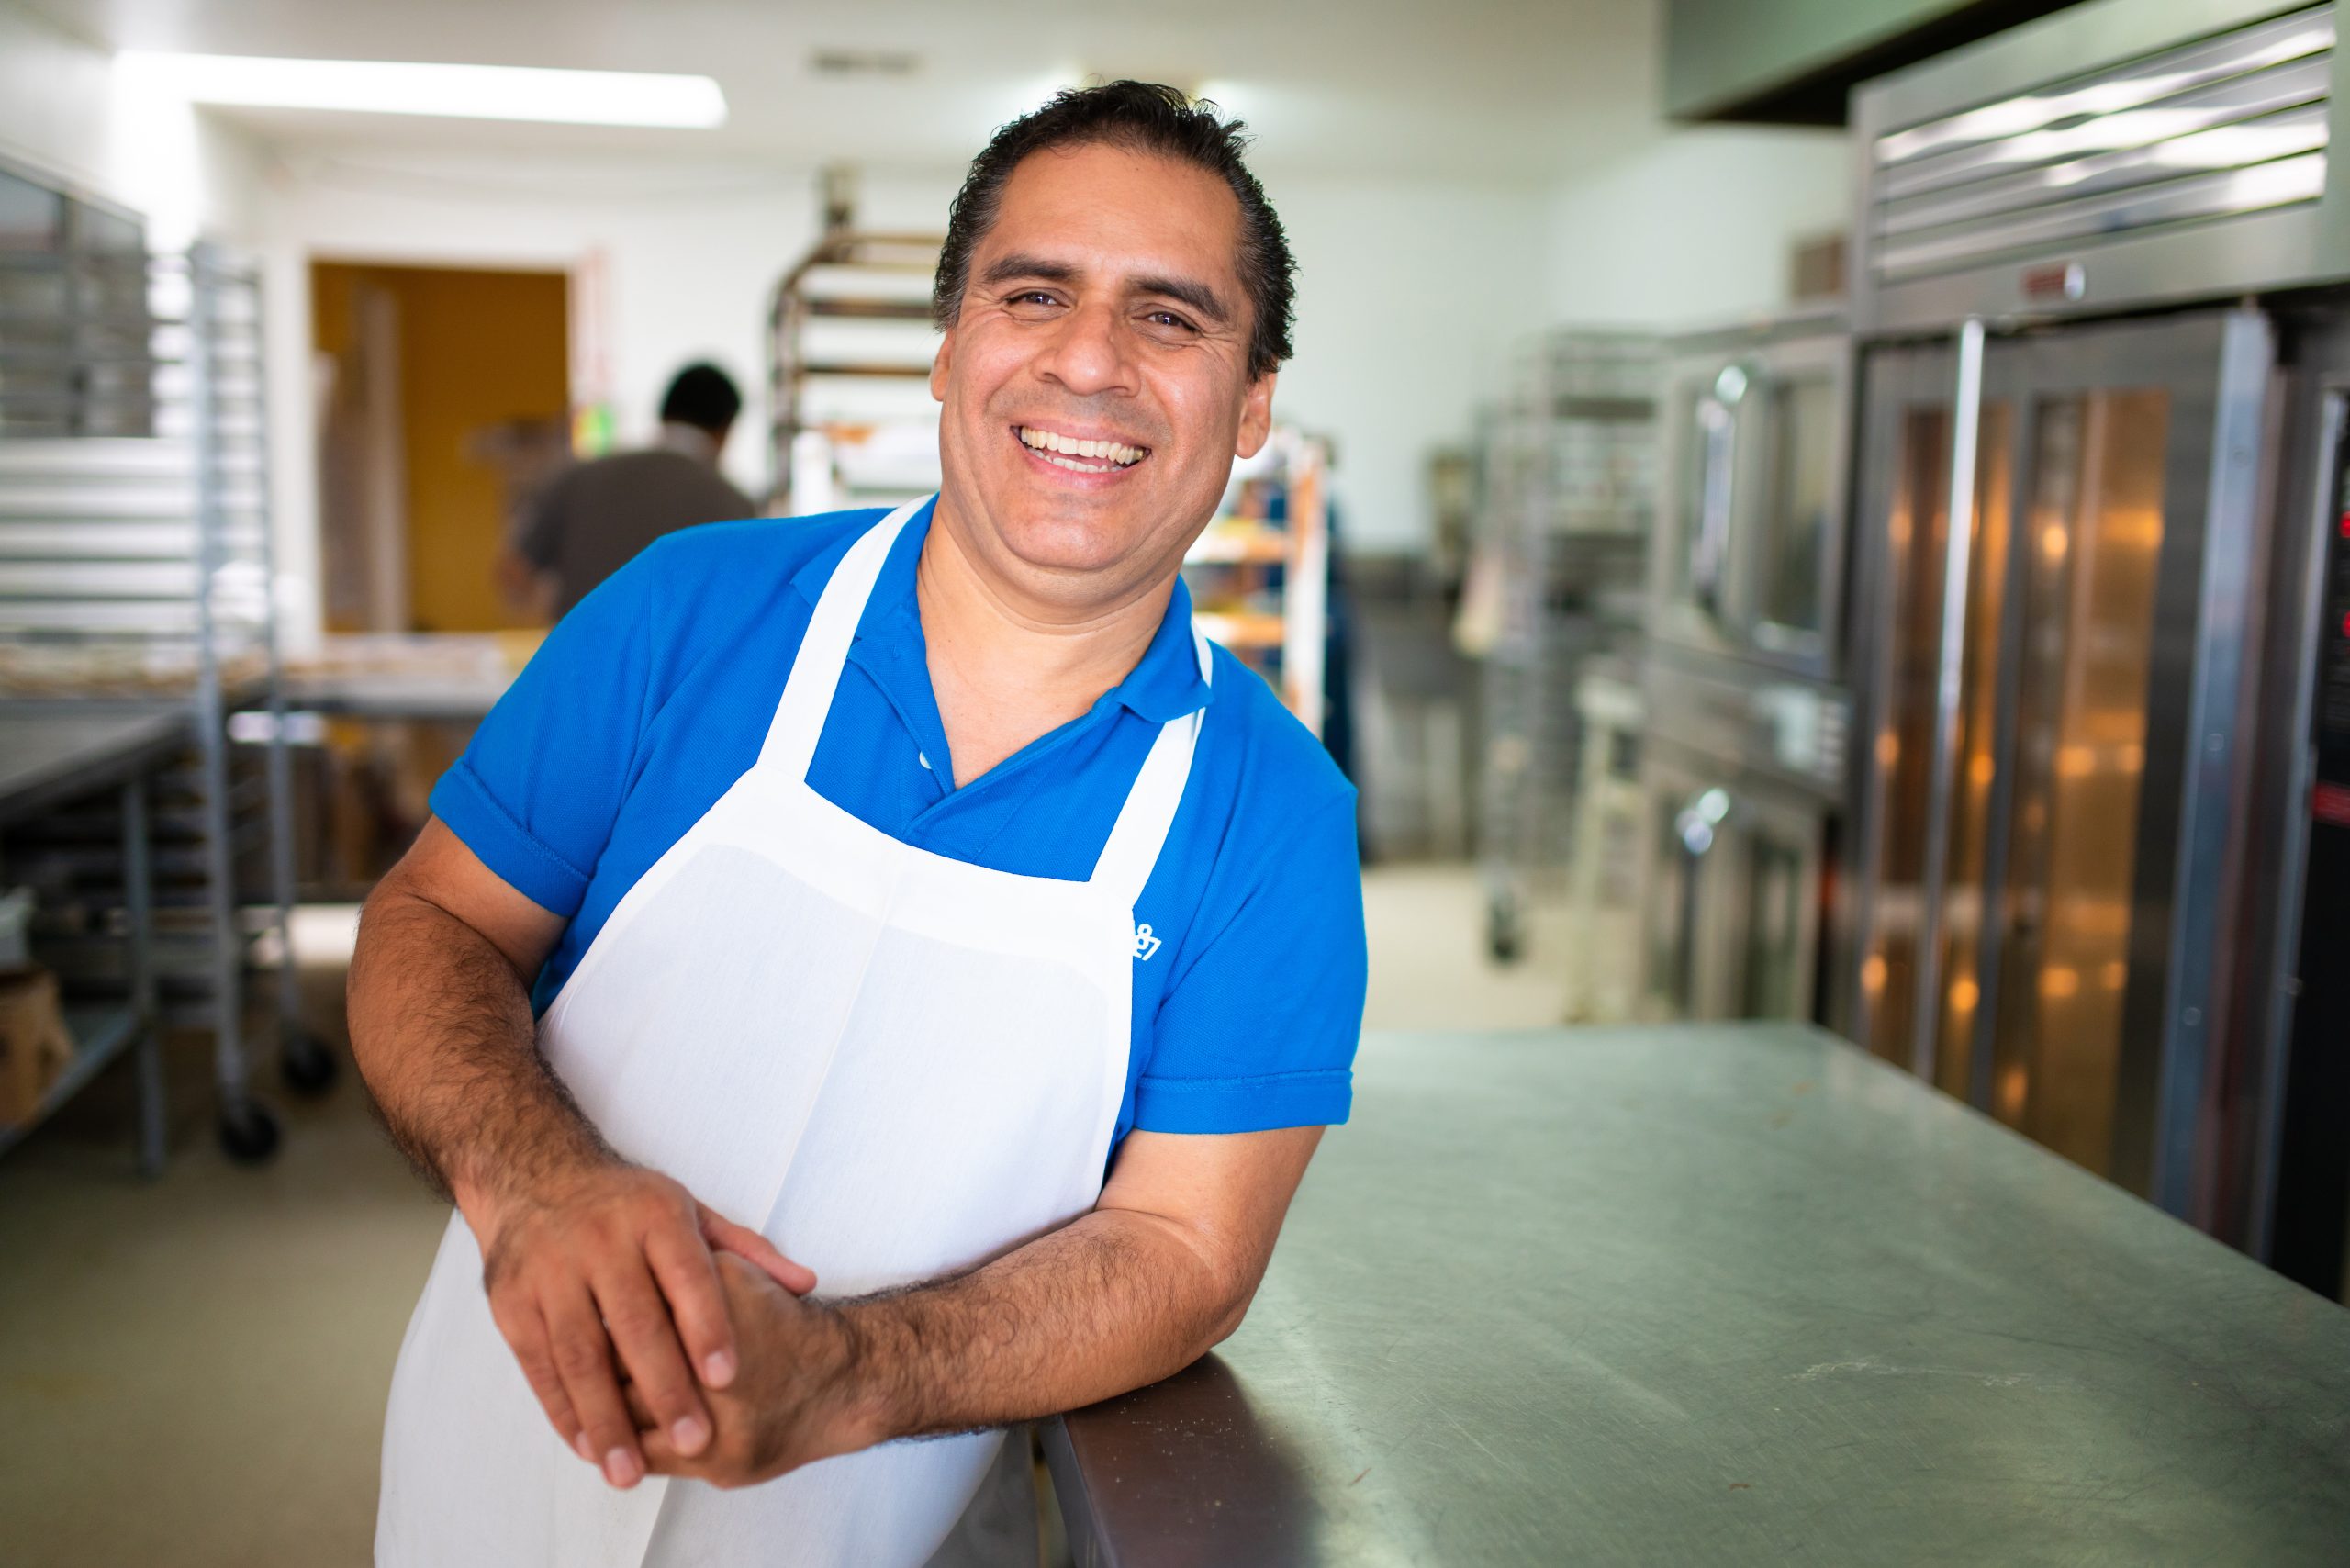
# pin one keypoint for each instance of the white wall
(1695, 227)
(68, 111)
(1409, 296)
(54, 92)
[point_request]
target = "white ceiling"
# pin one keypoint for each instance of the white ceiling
(1504, 90)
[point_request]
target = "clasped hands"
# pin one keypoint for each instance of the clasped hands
(660, 1338)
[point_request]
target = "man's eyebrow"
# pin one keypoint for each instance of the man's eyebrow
(1018, 264)
(1197, 295)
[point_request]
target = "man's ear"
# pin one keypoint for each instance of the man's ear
(1255, 415)
(940, 365)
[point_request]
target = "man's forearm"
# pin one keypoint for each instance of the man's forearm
(1160, 1270)
(1114, 1300)
(441, 1029)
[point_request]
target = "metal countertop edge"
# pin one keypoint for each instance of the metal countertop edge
(1088, 1542)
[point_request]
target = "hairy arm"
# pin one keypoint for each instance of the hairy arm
(1158, 1271)
(594, 1266)
(440, 1024)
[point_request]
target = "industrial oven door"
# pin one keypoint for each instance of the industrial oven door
(1787, 549)
(2057, 579)
(1732, 916)
(1748, 549)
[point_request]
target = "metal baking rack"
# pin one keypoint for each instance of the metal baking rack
(1568, 486)
(851, 422)
(135, 575)
(1259, 572)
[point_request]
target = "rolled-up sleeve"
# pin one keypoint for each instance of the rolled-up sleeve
(537, 790)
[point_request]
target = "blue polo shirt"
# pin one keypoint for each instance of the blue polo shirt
(652, 697)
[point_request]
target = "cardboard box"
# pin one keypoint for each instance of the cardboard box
(35, 1046)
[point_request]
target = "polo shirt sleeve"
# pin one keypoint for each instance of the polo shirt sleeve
(539, 787)
(1260, 1030)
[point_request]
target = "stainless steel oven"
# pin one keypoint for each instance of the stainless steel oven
(1750, 546)
(1743, 770)
(1743, 761)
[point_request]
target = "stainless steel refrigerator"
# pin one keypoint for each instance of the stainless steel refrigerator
(2097, 467)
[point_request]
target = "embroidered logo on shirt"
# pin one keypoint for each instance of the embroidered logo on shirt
(1145, 943)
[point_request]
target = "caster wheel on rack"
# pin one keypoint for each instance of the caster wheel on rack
(1501, 935)
(308, 1066)
(248, 1132)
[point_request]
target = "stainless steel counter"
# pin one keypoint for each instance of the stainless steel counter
(50, 757)
(429, 676)
(1722, 1294)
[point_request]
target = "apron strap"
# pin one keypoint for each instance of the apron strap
(1141, 828)
(815, 672)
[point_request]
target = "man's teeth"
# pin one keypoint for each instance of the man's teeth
(1113, 455)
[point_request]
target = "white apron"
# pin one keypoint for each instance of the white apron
(895, 1063)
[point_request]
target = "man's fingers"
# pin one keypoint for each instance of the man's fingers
(747, 1243)
(525, 1331)
(662, 1458)
(640, 1412)
(688, 1278)
(583, 1359)
(646, 1338)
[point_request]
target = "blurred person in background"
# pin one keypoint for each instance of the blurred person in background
(592, 520)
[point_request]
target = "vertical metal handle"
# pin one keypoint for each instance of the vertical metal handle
(1718, 430)
(1697, 826)
(1966, 429)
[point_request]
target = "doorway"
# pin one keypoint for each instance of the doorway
(444, 401)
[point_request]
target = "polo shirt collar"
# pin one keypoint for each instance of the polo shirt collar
(1165, 684)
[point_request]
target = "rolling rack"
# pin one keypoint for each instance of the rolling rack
(1259, 572)
(1568, 486)
(136, 568)
(850, 418)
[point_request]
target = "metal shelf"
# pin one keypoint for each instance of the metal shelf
(100, 1034)
(135, 581)
(849, 352)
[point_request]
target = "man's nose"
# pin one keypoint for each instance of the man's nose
(1088, 354)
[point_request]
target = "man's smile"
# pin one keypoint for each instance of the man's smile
(1078, 454)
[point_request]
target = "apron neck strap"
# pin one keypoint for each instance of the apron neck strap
(815, 674)
(1141, 829)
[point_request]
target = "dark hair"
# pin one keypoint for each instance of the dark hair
(702, 396)
(1141, 117)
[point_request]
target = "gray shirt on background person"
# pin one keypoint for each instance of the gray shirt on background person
(592, 520)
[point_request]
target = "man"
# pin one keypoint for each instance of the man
(593, 519)
(886, 881)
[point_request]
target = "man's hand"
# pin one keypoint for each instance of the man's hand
(1161, 1269)
(583, 1254)
(612, 1258)
(796, 1402)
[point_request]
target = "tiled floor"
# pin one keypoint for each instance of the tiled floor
(192, 1371)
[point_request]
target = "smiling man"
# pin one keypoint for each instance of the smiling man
(912, 910)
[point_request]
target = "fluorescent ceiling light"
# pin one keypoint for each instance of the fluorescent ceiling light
(469, 92)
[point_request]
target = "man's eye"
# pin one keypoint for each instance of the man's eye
(1168, 318)
(1032, 297)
